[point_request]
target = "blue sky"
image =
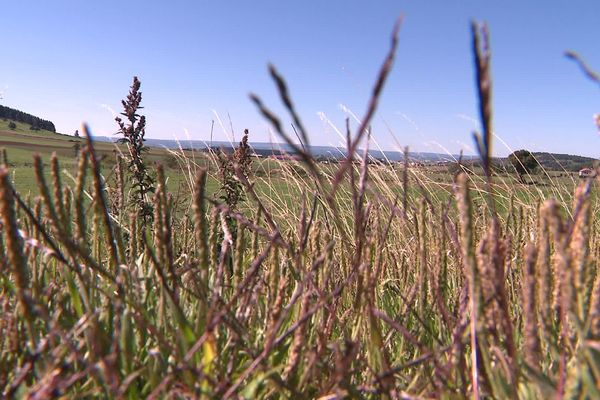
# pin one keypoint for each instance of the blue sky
(72, 61)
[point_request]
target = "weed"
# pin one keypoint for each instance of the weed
(233, 169)
(133, 131)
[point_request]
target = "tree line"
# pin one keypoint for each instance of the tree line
(20, 116)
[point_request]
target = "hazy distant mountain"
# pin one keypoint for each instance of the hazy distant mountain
(279, 148)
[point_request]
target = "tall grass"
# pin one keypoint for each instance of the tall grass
(366, 284)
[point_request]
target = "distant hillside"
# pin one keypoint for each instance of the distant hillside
(36, 123)
(320, 152)
(549, 161)
(559, 162)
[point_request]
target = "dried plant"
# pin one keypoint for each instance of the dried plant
(133, 130)
(233, 168)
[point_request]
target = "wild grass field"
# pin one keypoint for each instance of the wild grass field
(277, 279)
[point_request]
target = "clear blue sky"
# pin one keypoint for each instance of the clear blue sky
(72, 61)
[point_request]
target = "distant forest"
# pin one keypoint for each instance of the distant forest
(568, 162)
(20, 116)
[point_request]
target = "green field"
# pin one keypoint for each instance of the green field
(271, 175)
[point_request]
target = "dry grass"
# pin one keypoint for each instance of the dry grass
(352, 289)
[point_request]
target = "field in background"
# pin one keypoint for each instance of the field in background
(271, 178)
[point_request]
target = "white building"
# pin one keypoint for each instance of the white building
(587, 173)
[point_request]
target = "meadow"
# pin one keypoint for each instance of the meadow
(281, 279)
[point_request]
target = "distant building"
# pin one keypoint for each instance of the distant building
(587, 173)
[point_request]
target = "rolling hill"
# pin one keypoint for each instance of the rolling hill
(35, 123)
(568, 162)
(45, 142)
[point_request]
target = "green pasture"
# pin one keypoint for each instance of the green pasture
(278, 182)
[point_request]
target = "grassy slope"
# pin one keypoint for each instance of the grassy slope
(21, 143)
